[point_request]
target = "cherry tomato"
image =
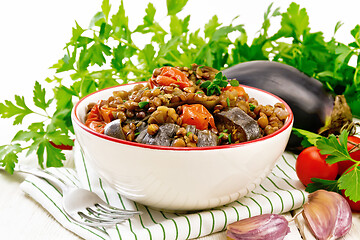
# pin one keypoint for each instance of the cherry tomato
(168, 76)
(239, 89)
(311, 164)
(345, 165)
(355, 206)
(198, 115)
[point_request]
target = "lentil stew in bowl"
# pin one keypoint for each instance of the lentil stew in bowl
(185, 107)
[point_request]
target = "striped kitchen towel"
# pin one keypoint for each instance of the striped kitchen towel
(280, 192)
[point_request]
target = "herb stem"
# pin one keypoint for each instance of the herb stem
(43, 115)
(126, 43)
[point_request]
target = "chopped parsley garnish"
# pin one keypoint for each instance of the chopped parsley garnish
(252, 106)
(228, 102)
(143, 104)
(234, 83)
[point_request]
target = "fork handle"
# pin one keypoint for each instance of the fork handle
(48, 176)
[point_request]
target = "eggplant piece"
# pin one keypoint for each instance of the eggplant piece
(314, 109)
(239, 124)
(191, 128)
(207, 138)
(114, 129)
(163, 137)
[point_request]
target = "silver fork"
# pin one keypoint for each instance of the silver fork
(83, 206)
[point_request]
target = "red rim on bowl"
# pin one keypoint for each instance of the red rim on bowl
(157, 147)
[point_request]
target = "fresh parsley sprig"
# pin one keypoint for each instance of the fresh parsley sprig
(219, 82)
(40, 137)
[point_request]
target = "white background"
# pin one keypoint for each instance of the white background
(33, 33)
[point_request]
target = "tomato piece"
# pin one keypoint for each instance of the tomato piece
(97, 126)
(345, 165)
(168, 76)
(106, 113)
(94, 115)
(94, 120)
(239, 89)
(311, 164)
(198, 115)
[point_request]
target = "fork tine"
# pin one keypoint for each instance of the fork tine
(110, 209)
(92, 221)
(107, 215)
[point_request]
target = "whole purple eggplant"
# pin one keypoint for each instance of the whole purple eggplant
(314, 109)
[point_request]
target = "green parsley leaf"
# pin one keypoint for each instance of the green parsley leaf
(120, 24)
(97, 53)
(175, 6)
(98, 19)
(105, 7)
(211, 26)
(54, 156)
(205, 84)
(317, 183)
(338, 151)
(39, 97)
(351, 183)
(294, 22)
(8, 156)
(309, 138)
(147, 56)
(19, 111)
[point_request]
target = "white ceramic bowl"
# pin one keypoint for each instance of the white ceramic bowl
(180, 179)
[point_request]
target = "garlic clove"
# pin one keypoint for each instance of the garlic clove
(266, 226)
(327, 214)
